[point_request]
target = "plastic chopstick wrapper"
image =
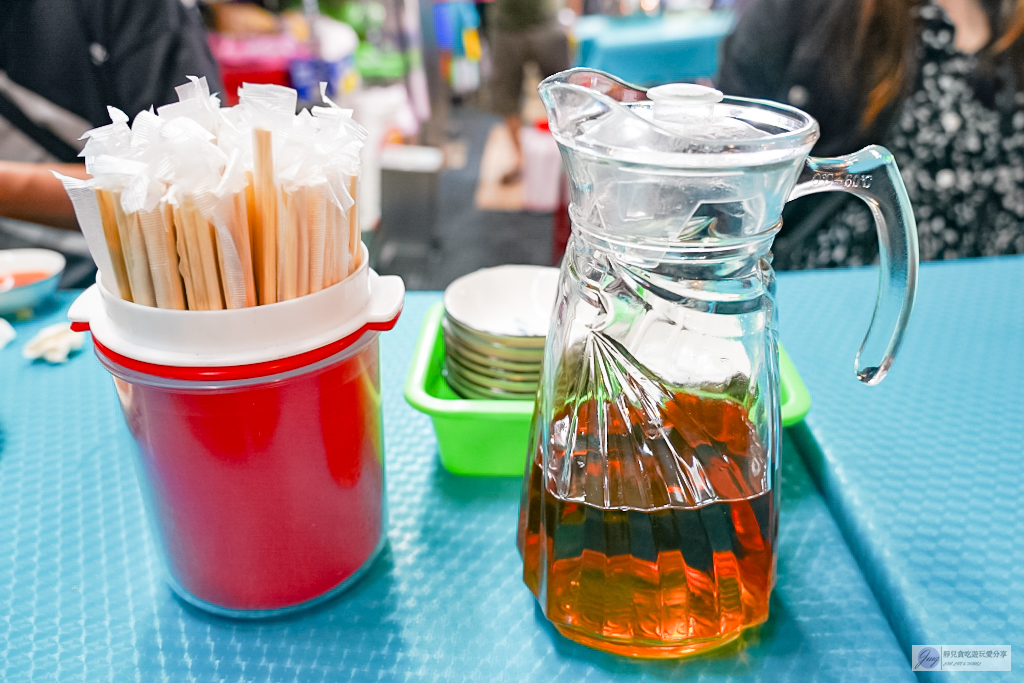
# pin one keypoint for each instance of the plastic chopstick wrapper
(201, 207)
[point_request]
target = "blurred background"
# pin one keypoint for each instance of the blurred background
(446, 188)
(460, 171)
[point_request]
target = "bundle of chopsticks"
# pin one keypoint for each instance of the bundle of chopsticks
(200, 207)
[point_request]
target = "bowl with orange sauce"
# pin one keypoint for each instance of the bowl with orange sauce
(28, 277)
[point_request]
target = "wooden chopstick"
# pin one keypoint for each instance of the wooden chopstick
(184, 259)
(136, 260)
(163, 259)
(288, 246)
(301, 198)
(239, 228)
(354, 236)
(316, 220)
(105, 201)
(192, 269)
(208, 259)
(266, 218)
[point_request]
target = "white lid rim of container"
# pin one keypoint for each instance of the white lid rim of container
(242, 336)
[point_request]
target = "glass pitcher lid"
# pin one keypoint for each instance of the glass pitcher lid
(678, 125)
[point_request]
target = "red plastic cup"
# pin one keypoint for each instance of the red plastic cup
(263, 481)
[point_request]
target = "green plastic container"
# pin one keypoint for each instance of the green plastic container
(490, 438)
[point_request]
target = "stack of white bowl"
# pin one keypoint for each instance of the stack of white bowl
(495, 325)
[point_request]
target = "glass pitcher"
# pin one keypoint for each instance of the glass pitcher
(649, 517)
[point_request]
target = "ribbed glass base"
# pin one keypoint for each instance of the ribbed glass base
(644, 651)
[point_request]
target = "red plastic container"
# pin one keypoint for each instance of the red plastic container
(264, 481)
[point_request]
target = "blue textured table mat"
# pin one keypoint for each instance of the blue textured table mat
(81, 594)
(925, 472)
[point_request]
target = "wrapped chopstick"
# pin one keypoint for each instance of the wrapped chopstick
(200, 207)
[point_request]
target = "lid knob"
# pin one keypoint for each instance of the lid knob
(687, 103)
(685, 93)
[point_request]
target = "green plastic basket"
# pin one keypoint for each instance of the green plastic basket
(490, 438)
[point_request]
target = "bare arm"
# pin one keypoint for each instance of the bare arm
(972, 28)
(29, 192)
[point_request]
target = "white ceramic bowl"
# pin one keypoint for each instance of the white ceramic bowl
(491, 370)
(467, 390)
(481, 381)
(455, 337)
(14, 261)
(505, 301)
(452, 345)
(535, 343)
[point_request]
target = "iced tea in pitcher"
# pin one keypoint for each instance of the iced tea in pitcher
(649, 528)
(673, 577)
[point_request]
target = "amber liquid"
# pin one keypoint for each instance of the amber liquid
(667, 581)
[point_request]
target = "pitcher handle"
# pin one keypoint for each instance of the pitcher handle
(872, 175)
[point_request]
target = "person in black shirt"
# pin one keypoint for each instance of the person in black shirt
(61, 63)
(940, 83)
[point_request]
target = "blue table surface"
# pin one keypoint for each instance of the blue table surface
(925, 472)
(653, 50)
(82, 598)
